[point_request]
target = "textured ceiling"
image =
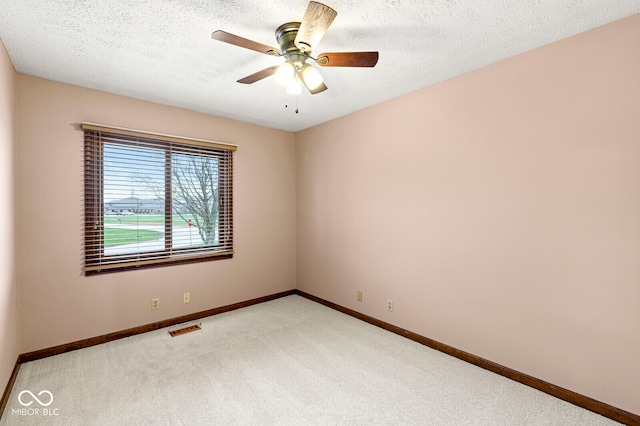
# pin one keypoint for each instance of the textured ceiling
(162, 51)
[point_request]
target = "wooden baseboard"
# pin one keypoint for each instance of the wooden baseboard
(582, 401)
(85, 343)
(9, 387)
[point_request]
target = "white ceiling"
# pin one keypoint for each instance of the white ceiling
(161, 50)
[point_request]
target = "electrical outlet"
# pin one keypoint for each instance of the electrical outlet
(359, 296)
(186, 298)
(389, 305)
(155, 304)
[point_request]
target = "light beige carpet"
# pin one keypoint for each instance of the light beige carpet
(285, 362)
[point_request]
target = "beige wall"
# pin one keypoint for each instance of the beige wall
(499, 210)
(60, 304)
(9, 312)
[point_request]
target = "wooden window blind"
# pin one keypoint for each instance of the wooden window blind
(153, 199)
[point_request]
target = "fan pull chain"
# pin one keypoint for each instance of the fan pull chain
(286, 103)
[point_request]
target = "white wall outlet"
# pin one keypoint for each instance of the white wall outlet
(359, 296)
(389, 305)
(155, 304)
(186, 298)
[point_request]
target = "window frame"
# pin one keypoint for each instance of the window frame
(95, 260)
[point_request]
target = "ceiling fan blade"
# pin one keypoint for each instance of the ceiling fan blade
(348, 59)
(314, 24)
(259, 75)
(243, 42)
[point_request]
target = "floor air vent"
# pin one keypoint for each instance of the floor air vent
(184, 330)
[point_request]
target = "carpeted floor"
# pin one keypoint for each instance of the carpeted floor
(286, 362)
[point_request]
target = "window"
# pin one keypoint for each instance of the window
(155, 199)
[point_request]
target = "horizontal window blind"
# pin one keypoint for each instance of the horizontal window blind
(153, 199)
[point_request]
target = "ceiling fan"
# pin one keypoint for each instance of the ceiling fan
(297, 40)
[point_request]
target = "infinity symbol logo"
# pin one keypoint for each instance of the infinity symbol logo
(36, 398)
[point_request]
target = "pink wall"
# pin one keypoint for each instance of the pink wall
(499, 210)
(60, 304)
(9, 311)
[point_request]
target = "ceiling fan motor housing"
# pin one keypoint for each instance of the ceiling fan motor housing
(286, 35)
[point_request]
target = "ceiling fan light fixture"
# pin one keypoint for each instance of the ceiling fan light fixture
(311, 77)
(296, 41)
(295, 86)
(285, 74)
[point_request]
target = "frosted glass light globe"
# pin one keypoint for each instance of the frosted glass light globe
(285, 74)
